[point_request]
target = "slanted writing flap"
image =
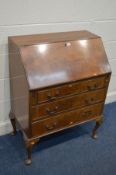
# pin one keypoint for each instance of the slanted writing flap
(61, 62)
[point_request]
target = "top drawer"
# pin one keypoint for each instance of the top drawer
(69, 89)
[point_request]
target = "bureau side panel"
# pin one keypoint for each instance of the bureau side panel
(18, 88)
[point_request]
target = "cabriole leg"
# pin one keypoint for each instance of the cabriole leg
(98, 124)
(13, 122)
(29, 145)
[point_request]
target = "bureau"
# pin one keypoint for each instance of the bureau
(57, 81)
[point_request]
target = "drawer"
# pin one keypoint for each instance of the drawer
(76, 101)
(69, 89)
(59, 122)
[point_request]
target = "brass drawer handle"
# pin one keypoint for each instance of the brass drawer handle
(57, 93)
(95, 86)
(53, 111)
(50, 97)
(86, 113)
(51, 127)
(90, 101)
(107, 78)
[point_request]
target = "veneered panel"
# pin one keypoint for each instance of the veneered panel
(57, 63)
(18, 88)
(51, 37)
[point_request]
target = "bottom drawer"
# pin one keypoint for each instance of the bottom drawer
(66, 119)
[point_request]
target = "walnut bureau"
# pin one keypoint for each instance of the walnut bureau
(57, 81)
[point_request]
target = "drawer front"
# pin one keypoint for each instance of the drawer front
(69, 89)
(67, 119)
(69, 103)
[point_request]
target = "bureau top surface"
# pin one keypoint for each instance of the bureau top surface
(51, 37)
(61, 58)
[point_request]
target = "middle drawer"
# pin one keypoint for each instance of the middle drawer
(77, 101)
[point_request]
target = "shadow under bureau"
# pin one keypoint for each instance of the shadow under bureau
(57, 81)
